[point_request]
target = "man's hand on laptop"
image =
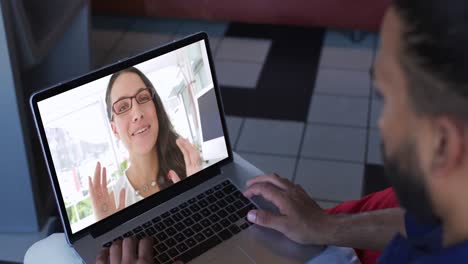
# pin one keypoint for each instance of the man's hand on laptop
(300, 218)
(128, 251)
(102, 200)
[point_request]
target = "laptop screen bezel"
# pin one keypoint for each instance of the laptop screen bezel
(138, 208)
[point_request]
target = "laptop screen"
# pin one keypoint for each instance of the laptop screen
(122, 138)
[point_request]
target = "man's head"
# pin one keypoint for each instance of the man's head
(421, 71)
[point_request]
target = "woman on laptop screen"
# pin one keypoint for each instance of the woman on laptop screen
(158, 156)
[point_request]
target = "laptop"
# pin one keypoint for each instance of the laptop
(199, 218)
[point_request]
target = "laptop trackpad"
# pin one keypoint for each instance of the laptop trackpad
(225, 255)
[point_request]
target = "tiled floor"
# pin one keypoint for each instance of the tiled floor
(311, 102)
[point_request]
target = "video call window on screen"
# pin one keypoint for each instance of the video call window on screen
(166, 105)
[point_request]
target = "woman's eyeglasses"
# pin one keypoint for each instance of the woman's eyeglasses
(124, 104)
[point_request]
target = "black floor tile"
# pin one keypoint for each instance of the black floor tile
(287, 79)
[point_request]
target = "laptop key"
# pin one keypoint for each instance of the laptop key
(234, 229)
(219, 186)
(230, 208)
(163, 258)
(233, 218)
(166, 214)
(183, 205)
(161, 236)
(203, 203)
(170, 242)
(177, 217)
(238, 204)
(205, 222)
(168, 221)
(244, 225)
(208, 232)
(188, 232)
(210, 191)
(188, 222)
(161, 248)
(199, 249)
(243, 212)
(197, 227)
(179, 237)
(186, 212)
(216, 227)
(229, 189)
(214, 208)
(179, 226)
(221, 203)
(225, 223)
(181, 247)
(214, 218)
(174, 210)
(229, 199)
(137, 229)
(211, 199)
(205, 212)
(150, 231)
(200, 196)
(190, 242)
(222, 213)
(159, 226)
(128, 234)
(118, 238)
(195, 208)
(199, 237)
(225, 234)
(226, 182)
(108, 244)
(197, 217)
(156, 219)
(173, 252)
(171, 231)
(193, 200)
(147, 224)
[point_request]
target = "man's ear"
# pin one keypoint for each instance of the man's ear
(114, 130)
(449, 146)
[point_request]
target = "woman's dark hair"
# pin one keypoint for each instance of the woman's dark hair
(434, 55)
(169, 155)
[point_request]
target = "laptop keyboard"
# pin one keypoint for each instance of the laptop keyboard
(196, 225)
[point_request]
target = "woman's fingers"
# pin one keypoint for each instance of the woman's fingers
(91, 188)
(97, 178)
(181, 146)
(172, 175)
(121, 200)
(104, 181)
(194, 154)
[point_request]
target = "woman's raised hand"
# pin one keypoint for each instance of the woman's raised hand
(191, 156)
(103, 202)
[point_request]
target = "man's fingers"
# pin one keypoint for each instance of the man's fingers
(115, 252)
(145, 249)
(129, 250)
(268, 191)
(172, 175)
(103, 256)
(274, 179)
(267, 219)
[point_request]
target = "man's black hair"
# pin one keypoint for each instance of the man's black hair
(434, 55)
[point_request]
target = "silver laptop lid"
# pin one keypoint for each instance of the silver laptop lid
(159, 110)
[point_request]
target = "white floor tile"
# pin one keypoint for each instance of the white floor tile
(270, 136)
(339, 110)
(238, 74)
(343, 82)
(334, 181)
(243, 49)
(233, 125)
(282, 166)
(334, 142)
(347, 58)
(374, 155)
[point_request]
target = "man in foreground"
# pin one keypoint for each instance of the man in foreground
(421, 71)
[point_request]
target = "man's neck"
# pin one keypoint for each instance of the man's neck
(455, 227)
